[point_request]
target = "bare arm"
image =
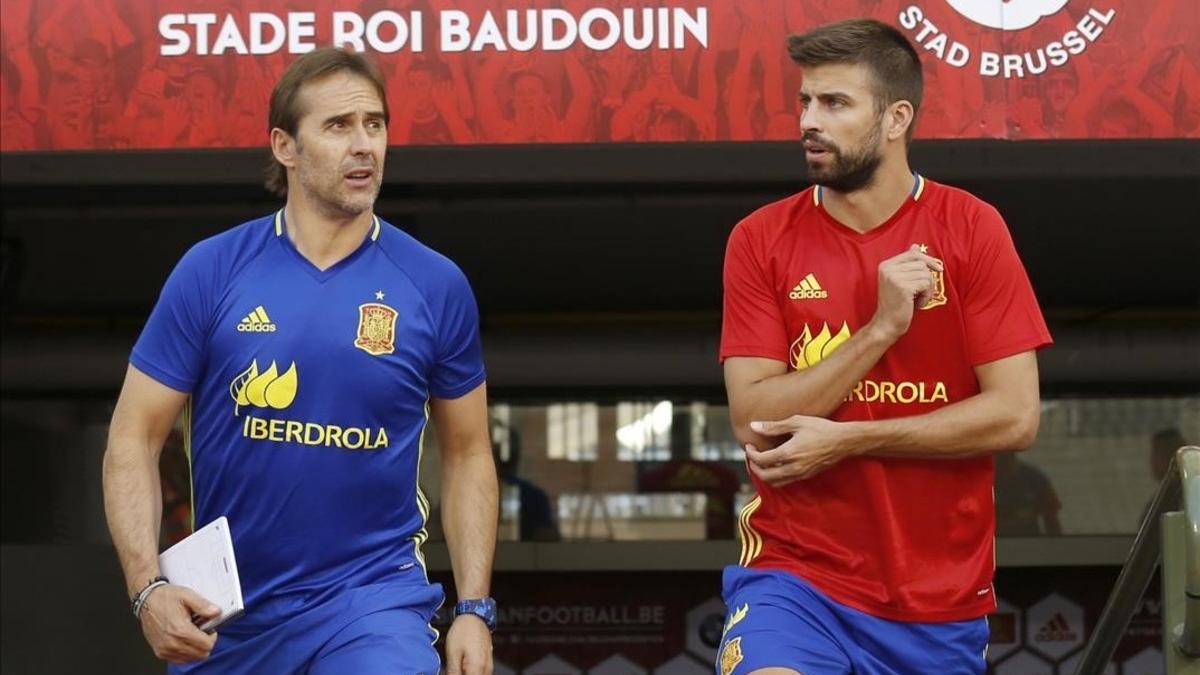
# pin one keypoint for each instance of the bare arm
(470, 495)
(763, 389)
(470, 511)
(1003, 416)
(144, 415)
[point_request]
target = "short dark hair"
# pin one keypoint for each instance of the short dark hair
(285, 112)
(889, 55)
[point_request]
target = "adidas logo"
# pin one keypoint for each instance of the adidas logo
(808, 289)
(256, 322)
(1057, 629)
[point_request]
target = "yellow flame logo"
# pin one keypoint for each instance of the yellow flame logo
(737, 616)
(267, 389)
(809, 349)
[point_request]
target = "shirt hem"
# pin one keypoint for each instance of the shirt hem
(1033, 342)
(752, 352)
(462, 389)
(159, 375)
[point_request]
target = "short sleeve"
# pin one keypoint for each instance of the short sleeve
(458, 367)
(752, 322)
(171, 346)
(1000, 310)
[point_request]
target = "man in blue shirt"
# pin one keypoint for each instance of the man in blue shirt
(307, 350)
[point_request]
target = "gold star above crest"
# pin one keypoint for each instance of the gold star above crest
(924, 248)
(378, 295)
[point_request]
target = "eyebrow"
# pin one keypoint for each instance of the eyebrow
(371, 115)
(827, 95)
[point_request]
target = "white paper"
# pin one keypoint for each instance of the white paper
(204, 562)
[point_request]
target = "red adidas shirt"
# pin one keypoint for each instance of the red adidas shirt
(902, 539)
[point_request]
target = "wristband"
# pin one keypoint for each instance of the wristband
(139, 599)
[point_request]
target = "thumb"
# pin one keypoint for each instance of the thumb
(197, 604)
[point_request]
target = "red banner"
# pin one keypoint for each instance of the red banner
(105, 74)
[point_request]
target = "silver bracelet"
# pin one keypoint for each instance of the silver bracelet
(140, 600)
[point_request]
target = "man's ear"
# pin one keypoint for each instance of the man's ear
(284, 147)
(899, 117)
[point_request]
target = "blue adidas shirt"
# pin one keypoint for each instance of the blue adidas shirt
(309, 394)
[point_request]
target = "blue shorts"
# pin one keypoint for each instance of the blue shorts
(778, 620)
(381, 628)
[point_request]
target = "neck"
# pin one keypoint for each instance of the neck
(865, 209)
(323, 238)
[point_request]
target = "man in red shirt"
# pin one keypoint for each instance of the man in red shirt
(878, 347)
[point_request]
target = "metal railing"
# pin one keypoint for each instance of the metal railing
(1140, 565)
(1187, 635)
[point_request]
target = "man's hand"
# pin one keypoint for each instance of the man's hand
(905, 282)
(815, 445)
(468, 647)
(168, 625)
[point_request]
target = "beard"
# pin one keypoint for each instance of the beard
(850, 170)
(326, 188)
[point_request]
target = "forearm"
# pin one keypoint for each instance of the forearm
(816, 391)
(984, 423)
(470, 511)
(133, 505)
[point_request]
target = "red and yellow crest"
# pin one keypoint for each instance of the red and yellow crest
(938, 297)
(731, 655)
(376, 329)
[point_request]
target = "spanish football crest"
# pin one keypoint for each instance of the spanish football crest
(731, 655)
(938, 297)
(376, 329)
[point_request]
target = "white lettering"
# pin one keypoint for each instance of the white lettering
(300, 26)
(1074, 42)
(989, 64)
(938, 45)
(258, 22)
(631, 40)
(180, 40)
(515, 40)
(348, 29)
(376, 23)
(587, 34)
(1103, 18)
(229, 38)
(911, 16)
(488, 35)
(1058, 55)
(456, 30)
(959, 55)
(696, 26)
(1012, 64)
(1090, 29)
(927, 29)
(202, 22)
(1040, 66)
(552, 43)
